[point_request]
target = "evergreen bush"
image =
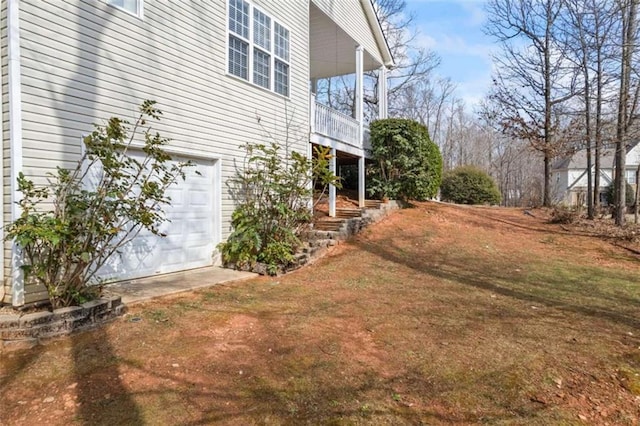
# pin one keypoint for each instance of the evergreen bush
(407, 164)
(610, 195)
(469, 185)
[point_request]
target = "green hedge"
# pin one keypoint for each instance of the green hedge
(408, 165)
(469, 185)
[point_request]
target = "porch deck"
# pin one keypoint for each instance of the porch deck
(334, 128)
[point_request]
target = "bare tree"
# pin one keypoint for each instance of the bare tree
(413, 64)
(626, 103)
(589, 31)
(427, 100)
(512, 162)
(577, 20)
(604, 22)
(532, 79)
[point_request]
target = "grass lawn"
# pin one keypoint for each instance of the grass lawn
(437, 315)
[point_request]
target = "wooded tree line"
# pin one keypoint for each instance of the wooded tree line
(567, 78)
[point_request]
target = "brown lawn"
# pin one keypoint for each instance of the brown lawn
(437, 315)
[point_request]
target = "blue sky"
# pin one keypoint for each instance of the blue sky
(453, 29)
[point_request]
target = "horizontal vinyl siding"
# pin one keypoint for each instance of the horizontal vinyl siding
(84, 61)
(350, 16)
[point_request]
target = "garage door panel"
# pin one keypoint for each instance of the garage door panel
(189, 241)
(200, 172)
(199, 197)
(132, 257)
(176, 197)
(195, 236)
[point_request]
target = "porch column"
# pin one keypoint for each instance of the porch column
(332, 188)
(382, 93)
(312, 112)
(361, 187)
(312, 129)
(360, 118)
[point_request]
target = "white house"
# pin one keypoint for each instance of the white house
(222, 72)
(569, 174)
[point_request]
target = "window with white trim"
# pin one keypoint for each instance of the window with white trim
(631, 177)
(134, 7)
(258, 48)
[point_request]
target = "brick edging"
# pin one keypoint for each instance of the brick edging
(19, 331)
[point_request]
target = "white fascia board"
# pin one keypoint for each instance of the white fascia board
(381, 40)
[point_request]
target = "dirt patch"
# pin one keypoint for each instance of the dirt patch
(438, 314)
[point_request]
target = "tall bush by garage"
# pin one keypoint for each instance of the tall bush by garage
(69, 228)
(407, 164)
(469, 185)
(272, 190)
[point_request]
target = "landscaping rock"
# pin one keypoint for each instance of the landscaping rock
(19, 332)
(32, 320)
(69, 313)
(9, 321)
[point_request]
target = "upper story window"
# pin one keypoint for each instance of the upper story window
(258, 48)
(134, 7)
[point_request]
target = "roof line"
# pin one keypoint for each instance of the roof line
(374, 22)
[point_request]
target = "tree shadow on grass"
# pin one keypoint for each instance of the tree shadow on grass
(468, 274)
(103, 398)
(11, 365)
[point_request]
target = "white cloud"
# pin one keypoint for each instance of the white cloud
(476, 15)
(426, 42)
(473, 91)
(453, 29)
(455, 45)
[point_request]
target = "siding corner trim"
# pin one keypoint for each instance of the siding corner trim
(15, 137)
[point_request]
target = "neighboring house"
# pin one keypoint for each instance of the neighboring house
(224, 73)
(569, 174)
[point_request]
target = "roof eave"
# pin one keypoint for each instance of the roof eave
(381, 40)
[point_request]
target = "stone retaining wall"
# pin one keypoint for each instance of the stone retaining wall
(319, 241)
(19, 331)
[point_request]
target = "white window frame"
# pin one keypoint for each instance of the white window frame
(138, 12)
(252, 46)
(630, 176)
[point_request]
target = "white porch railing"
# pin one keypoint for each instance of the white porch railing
(336, 125)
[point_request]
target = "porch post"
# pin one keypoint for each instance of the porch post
(382, 93)
(359, 85)
(312, 112)
(312, 129)
(360, 118)
(332, 188)
(361, 186)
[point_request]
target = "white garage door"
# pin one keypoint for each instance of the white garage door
(190, 235)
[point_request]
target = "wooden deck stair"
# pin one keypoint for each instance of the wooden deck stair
(342, 215)
(372, 204)
(328, 224)
(329, 231)
(348, 213)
